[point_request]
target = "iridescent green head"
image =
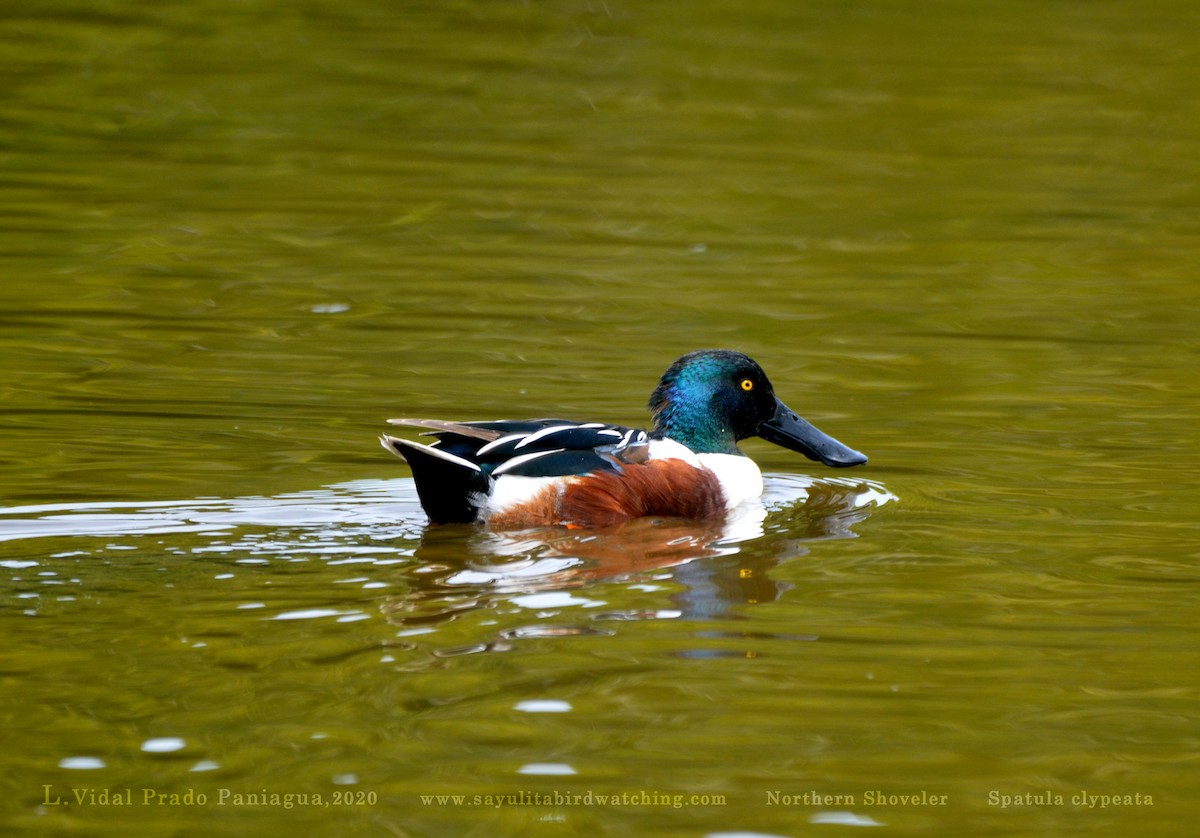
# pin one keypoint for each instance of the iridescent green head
(710, 399)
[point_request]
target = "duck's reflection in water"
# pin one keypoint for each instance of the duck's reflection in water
(716, 566)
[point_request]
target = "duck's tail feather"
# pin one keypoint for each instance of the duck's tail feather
(452, 490)
(475, 430)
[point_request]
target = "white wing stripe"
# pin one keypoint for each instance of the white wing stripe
(495, 443)
(524, 458)
(390, 441)
(536, 435)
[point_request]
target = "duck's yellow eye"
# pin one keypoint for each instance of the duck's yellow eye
(747, 384)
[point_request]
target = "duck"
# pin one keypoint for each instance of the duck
(517, 474)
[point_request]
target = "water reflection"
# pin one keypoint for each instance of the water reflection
(543, 570)
(711, 567)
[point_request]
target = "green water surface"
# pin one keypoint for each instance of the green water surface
(236, 237)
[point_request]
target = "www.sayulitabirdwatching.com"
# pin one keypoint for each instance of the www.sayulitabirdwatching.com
(640, 797)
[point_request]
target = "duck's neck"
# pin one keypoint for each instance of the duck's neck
(700, 430)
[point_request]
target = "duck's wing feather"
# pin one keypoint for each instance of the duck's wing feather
(536, 447)
(465, 438)
(488, 430)
(556, 463)
(565, 450)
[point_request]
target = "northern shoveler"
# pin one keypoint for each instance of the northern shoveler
(544, 472)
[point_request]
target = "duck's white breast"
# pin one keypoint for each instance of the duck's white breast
(739, 475)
